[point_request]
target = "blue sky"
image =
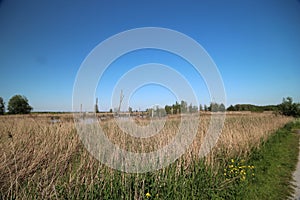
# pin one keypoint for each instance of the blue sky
(255, 45)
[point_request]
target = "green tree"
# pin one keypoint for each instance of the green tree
(2, 106)
(231, 108)
(168, 109)
(222, 107)
(96, 108)
(200, 107)
(18, 105)
(205, 107)
(238, 107)
(194, 109)
(176, 108)
(190, 108)
(183, 107)
(287, 107)
(214, 107)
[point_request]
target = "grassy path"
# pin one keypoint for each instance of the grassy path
(275, 163)
(296, 177)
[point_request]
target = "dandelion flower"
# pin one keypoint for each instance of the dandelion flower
(148, 195)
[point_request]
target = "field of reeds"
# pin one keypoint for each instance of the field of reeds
(42, 157)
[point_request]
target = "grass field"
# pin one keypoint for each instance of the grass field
(45, 160)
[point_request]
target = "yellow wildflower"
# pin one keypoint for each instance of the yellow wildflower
(148, 195)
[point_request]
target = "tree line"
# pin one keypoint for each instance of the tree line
(252, 108)
(184, 107)
(287, 107)
(16, 105)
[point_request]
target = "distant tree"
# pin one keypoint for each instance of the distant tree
(205, 107)
(200, 107)
(96, 108)
(190, 108)
(287, 107)
(18, 105)
(238, 107)
(214, 107)
(183, 107)
(194, 109)
(150, 112)
(130, 110)
(160, 112)
(222, 107)
(111, 110)
(2, 106)
(176, 108)
(168, 109)
(231, 108)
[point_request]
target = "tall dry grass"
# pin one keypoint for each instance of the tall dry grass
(39, 157)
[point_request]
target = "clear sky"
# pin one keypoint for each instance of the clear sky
(255, 45)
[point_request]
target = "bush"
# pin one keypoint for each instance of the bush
(18, 105)
(288, 108)
(2, 106)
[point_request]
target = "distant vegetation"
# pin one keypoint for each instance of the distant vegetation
(43, 160)
(252, 108)
(2, 106)
(16, 105)
(19, 105)
(289, 108)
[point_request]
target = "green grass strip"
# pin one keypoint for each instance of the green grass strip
(274, 164)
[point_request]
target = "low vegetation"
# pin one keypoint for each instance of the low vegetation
(43, 160)
(274, 164)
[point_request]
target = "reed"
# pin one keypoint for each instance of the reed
(41, 160)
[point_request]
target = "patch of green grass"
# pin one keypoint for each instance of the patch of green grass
(196, 182)
(274, 164)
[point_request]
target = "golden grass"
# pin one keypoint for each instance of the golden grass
(40, 155)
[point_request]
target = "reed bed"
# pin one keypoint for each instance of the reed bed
(40, 159)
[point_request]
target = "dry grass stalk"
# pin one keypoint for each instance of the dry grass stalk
(36, 153)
